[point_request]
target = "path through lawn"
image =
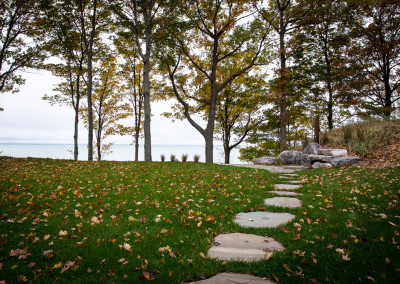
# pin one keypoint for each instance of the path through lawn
(125, 221)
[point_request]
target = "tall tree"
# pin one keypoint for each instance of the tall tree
(21, 44)
(285, 17)
(375, 51)
(108, 105)
(215, 33)
(131, 70)
(322, 57)
(66, 43)
(239, 110)
(145, 19)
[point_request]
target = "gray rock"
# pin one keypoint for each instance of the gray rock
(320, 158)
(319, 165)
(344, 161)
(294, 158)
(265, 161)
(287, 186)
(233, 278)
(286, 202)
(333, 152)
(244, 247)
(262, 219)
(287, 193)
(312, 149)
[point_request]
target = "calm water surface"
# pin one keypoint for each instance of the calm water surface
(119, 152)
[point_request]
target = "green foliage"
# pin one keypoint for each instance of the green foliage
(21, 41)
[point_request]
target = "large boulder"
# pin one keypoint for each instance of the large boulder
(264, 161)
(295, 158)
(312, 149)
(333, 152)
(344, 161)
(320, 158)
(319, 165)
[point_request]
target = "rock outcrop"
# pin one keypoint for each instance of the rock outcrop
(294, 158)
(313, 156)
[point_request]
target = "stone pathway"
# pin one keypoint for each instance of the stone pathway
(287, 193)
(262, 219)
(234, 278)
(286, 202)
(287, 186)
(247, 247)
(244, 247)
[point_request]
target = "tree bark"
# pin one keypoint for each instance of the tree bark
(283, 85)
(76, 123)
(147, 109)
(316, 129)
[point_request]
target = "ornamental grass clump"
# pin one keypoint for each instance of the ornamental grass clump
(184, 158)
(173, 158)
(196, 158)
(162, 158)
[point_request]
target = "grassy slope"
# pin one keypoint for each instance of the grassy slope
(377, 142)
(347, 230)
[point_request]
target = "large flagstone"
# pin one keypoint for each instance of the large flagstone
(242, 247)
(288, 202)
(233, 278)
(287, 193)
(262, 219)
(287, 186)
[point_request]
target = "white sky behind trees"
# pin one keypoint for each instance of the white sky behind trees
(28, 119)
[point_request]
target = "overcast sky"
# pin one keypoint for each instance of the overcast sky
(28, 119)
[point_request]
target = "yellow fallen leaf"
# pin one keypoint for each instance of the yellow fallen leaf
(202, 255)
(57, 265)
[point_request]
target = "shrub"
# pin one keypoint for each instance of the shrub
(196, 158)
(173, 158)
(324, 138)
(347, 133)
(184, 158)
(162, 158)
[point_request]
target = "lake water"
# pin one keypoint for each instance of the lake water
(120, 152)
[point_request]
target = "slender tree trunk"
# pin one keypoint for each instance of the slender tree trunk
(316, 129)
(146, 96)
(98, 147)
(76, 124)
(329, 84)
(283, 89)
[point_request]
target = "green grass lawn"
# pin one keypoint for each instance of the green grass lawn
(129, 222)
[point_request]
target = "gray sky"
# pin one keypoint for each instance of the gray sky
(28, 119)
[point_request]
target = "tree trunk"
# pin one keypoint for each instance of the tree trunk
(283, 89)
(76, 124)
(316, 129)
(329, 84)
(209, 149)
(137, 145)
(147, 110)
(98, 148)
(227, 152)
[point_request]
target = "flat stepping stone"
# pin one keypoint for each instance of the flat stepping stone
(234, 278)
(287, 202)
(287, 193)
(294, 181)
(287, 186)
(242, 247)
(262, 219)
